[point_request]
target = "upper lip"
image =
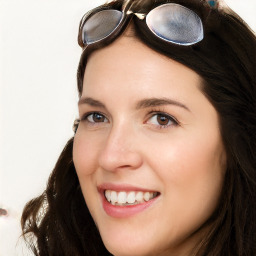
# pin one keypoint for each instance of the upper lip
(122, 187)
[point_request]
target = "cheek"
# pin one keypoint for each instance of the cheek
(85, 161)
(84, 155)
(193, 173)
(183, 159)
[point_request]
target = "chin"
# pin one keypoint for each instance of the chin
(128, 249)
(132, 242)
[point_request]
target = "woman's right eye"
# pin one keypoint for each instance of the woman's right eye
(95, 117)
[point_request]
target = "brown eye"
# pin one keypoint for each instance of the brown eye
(96, 118)
(162, 119)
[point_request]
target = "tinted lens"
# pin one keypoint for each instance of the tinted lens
(100, 25)
(175, 23)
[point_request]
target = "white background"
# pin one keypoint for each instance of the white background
(38, 61)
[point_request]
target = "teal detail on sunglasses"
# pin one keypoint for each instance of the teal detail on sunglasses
(212, 3)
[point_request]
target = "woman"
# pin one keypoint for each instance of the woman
(162, 161)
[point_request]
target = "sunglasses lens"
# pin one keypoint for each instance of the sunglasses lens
(100, 25)
(175, 23)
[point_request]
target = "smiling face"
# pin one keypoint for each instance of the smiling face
(148, 151)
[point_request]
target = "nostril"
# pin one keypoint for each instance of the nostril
(113, 159)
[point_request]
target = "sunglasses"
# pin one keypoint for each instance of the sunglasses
(170, 22)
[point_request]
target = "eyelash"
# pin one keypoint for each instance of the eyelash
(174, 121)
(152, 114)
(87, 115)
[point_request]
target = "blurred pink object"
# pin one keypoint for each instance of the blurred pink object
(3, 212)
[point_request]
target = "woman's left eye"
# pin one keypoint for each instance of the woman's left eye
(162, 120)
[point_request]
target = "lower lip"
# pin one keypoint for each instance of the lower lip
(118, 211)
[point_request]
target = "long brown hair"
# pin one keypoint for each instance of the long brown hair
(58, 221)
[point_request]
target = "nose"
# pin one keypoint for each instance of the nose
(120, 151)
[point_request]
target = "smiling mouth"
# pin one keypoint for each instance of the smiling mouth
(122, 198)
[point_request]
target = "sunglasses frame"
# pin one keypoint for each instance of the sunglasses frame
(127, 14)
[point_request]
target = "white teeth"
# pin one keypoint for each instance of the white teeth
(121, 198)
(113, 197)
(146, 196)
(139, 196)
(108, 195)
(131, 197)
(128, 198)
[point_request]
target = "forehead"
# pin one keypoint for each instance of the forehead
(127, 72)
(128, 59)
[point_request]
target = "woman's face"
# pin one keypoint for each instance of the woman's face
(148, 151)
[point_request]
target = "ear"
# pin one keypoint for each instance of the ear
(75, 125)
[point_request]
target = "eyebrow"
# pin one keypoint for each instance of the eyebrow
(145, 103)
(92, 102)
(154, 102)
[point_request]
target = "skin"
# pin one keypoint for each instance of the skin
(184, 161)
